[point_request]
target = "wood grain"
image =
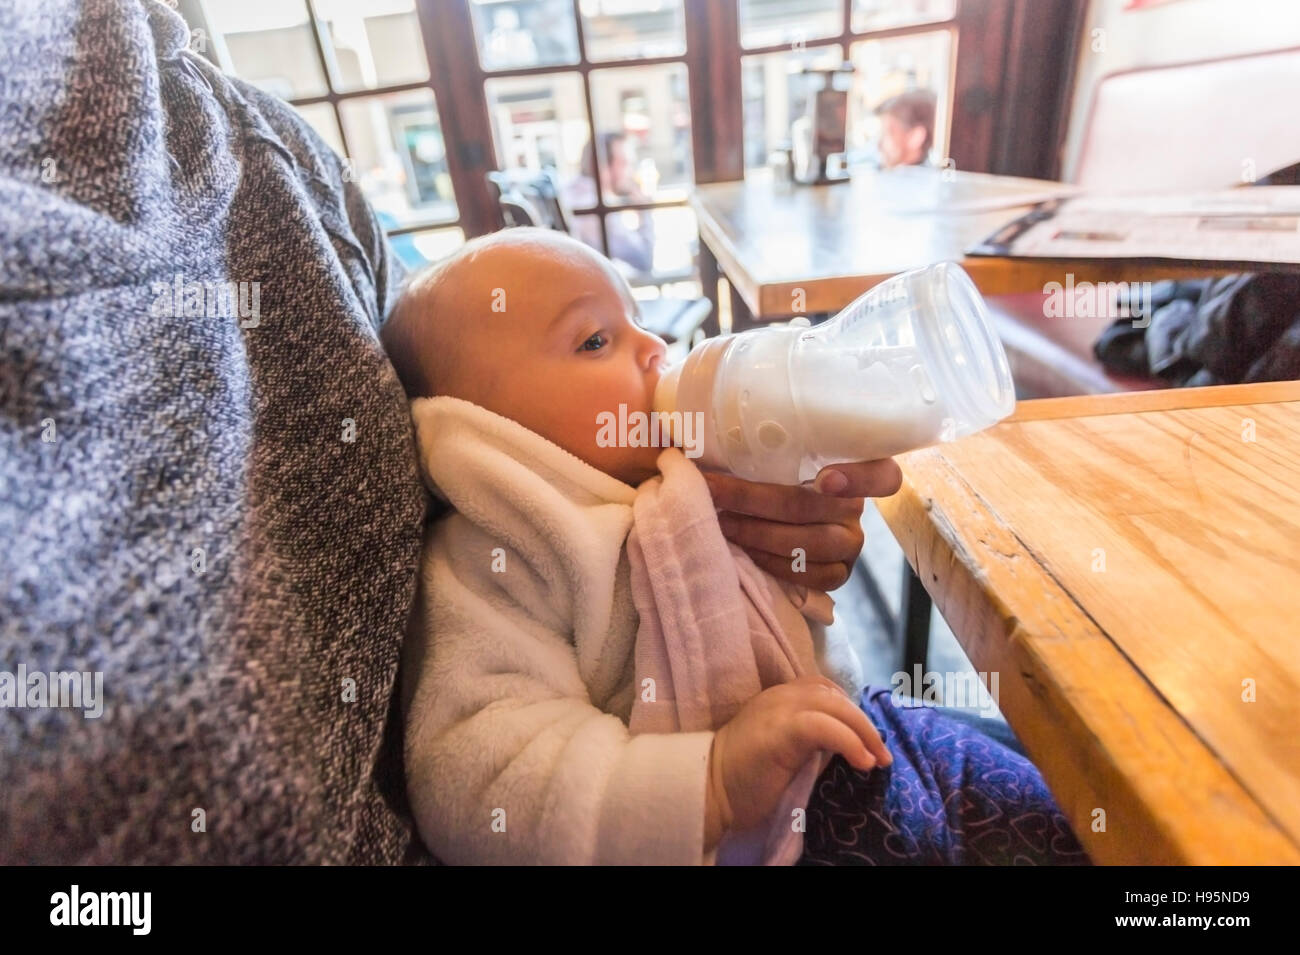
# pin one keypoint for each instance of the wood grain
(1163, 400)
(1125, 679)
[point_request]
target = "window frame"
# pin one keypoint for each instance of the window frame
(983, 94)
(584, 67)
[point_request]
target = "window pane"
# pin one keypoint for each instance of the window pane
(651, 246)
(773, 22)
(321, 118)
(884, 14)
(540, 122)
(886, 68)
(269, 43)
(643, 132)
(374, 44)
(400, 160)
(418, 249)
(776, 93)
(519, 33)
(632, 29)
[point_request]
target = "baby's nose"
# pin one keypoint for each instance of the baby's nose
(655, 354)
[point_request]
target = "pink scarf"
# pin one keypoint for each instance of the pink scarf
(708, 637)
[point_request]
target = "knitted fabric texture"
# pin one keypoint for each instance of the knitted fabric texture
(219, 513)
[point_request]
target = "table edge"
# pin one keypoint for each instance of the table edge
(1163, 399)
(939, 537)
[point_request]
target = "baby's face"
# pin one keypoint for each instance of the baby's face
(544, 331)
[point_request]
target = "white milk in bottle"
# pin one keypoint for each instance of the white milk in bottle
(912, 362)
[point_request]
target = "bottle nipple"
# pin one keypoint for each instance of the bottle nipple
(665, 399)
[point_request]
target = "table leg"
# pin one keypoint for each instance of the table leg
(871, 588)
(913, 622)
(709, 280)
(742, 319)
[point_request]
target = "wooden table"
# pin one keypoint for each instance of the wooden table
(789, 249)
(1129, 565)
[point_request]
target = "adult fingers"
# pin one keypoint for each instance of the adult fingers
(860, 479)
(819, 543)
(789, 504)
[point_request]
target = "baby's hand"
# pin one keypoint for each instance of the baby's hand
(756, 755)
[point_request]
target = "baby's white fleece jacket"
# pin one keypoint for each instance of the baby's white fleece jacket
(518, 670)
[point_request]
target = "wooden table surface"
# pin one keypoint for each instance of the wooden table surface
(834, 242)
(1129, 565)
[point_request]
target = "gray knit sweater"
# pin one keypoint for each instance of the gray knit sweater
(208, 490)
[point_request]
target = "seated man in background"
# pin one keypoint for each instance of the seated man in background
(631, 232)
(906, 128)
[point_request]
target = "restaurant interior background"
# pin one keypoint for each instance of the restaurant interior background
(425, 97)
(632, 102)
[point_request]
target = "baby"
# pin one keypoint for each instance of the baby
(519, 672)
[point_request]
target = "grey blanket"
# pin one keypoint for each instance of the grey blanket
(208, 491)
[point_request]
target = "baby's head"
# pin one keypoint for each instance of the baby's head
(535, 326)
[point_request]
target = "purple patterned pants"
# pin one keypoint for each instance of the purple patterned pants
(953, 796)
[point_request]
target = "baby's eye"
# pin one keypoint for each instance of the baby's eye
(598, 339)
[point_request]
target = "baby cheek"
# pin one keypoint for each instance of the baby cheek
(612, 387)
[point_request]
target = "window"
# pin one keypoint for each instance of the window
(515, 34)
(601, 101)
(268, 42)
(359, 74)
(396, 148)
(765, 23)
(894, 46)
(374, 44)
(597, 93)
(619, 30)
(884, 14)
(647, 109)
(540, 121)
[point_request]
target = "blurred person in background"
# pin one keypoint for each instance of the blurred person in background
(906, 128)
(631, 232)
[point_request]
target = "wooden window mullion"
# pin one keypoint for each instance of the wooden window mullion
(457, 81)
(713, 80)
(584, 68)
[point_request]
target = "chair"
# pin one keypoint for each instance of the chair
(529, 197)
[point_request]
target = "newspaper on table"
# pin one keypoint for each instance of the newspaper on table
(1258, 225)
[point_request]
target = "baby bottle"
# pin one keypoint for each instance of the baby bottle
(914, 361)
